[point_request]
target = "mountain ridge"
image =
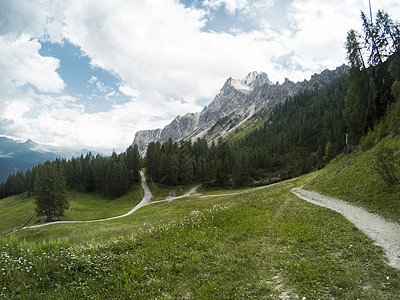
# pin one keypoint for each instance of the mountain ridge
(237, 101)
(20, 156)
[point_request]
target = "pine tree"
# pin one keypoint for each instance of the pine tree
(89, 180)
(133, 163)
(240, 174)
(50, 190)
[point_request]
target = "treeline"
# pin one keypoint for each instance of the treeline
(173, 163)
(111, 176)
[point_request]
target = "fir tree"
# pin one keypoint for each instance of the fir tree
(50, 190)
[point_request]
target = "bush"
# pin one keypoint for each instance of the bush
(387, 164)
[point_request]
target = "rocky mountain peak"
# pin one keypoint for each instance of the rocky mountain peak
(237, 102)
(249, 83)
(30, 143)
(256, 79)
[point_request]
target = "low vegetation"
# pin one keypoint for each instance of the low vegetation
(15, 211)
(262, 244)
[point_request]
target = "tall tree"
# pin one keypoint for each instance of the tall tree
(354, 50)
(50, 190)
(369, 94)
(240, 174)
(133, 163)
(89, 179)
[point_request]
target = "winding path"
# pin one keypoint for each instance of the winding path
(145, 201)
(385, 233)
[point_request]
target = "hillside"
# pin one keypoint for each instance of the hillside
(294, 137)
(355, 178)
(237, 102)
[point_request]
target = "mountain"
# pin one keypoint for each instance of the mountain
(20, 156)
(237, 102)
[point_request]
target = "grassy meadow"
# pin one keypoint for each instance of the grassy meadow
(265, 244)
(16, 210)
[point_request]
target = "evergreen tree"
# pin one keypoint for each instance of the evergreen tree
(89, 179)
(358, 111)
(133, 163)
(152, 160)
(50, 190)
(240, 174)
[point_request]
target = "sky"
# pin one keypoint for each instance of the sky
(90, 73)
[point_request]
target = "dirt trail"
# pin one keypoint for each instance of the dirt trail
(385, 233)
(145, 201)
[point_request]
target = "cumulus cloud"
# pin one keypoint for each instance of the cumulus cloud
(230, 5)
(164, 58)
(38, 19)
(161, 47)
(21, 64)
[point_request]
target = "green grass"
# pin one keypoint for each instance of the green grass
(149, 215)
(161, 192)
(15, 211)
(85, 206)
(259, 245)
(221, 191)
(359, 183)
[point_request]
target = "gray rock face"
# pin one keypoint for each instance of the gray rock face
(144, 137)
(238, 100)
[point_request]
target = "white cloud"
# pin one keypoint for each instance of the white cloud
(230, 5)
(128, 90)
(38, 19)
(21, 64)
(164, 59)
(160, 47)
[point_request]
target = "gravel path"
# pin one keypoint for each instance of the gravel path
(385, 233)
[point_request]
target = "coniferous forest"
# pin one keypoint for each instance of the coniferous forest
(111, 176)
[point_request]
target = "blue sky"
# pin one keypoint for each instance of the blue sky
(96, 88)
(90, 73)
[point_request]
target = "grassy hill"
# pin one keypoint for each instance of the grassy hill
(264, 243)
(355, 179)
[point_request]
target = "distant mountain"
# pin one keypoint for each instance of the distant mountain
(20, 156)
(238, 101)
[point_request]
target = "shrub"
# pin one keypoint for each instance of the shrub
(387, 164)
